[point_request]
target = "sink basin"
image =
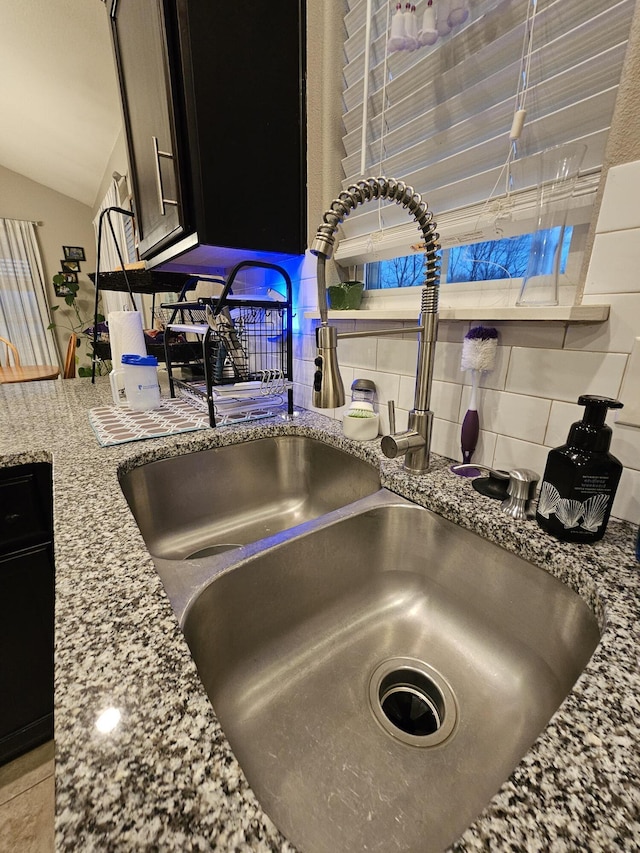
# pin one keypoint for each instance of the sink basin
(205, 503)
(378, 678)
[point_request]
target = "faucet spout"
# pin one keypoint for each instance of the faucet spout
(328, 390)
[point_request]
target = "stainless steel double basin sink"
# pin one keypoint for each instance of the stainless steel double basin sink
(378, 670)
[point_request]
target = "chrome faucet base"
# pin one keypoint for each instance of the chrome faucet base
(413, 443)
(416, 459)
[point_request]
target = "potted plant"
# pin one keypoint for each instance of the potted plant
(68, 290)
(345, 296)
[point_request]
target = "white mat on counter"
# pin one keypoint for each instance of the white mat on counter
(119, 424)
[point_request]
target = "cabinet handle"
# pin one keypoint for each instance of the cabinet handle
(158, 154)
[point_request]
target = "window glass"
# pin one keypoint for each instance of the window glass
(486, 261)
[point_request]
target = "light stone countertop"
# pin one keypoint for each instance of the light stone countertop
(165, 779)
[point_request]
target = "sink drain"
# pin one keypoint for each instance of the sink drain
(412, 702)
(212, 550)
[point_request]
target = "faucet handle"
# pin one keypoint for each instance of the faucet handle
(392, 416)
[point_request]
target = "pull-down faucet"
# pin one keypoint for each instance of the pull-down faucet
(328, 390)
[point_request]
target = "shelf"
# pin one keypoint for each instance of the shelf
(546, 314)
(142, 281)
(189, 328)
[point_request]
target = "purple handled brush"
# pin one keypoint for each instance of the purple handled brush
(478, 355)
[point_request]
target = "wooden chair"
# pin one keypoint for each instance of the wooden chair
(70, 358)
(9, 349)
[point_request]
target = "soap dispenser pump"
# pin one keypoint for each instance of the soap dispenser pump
(581, 477)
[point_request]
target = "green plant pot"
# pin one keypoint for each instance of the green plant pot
(346, 296)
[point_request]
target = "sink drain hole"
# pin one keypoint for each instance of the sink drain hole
(411, 711)
(412, 702)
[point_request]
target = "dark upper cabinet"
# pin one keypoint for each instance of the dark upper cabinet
(213, 100)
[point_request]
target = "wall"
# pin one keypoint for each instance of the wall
(64, 222)
(118, 162)
(529, 401)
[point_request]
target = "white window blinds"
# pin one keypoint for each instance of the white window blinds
(441, 123)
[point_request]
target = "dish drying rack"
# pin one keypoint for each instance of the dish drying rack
(247, 351)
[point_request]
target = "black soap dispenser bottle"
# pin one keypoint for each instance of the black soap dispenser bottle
(581, 477)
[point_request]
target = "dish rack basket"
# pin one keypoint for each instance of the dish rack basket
(246, 357)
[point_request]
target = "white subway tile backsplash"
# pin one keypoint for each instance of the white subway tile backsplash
(630, 390)
(358, 352)
(348, 374)
(307, 294)
(406, 392)
(452, 332)
(515, 334)
(445, 400)
(627, 501)
(445, 439)
(515, 415)
(614, 264)
(364, 325)
(303, 371)
(302, 395)
(560, 419)
(614, 335)
(301, 266)
(445, 397)
(396, 355)
(446, 367)
(564, 374)
(625, 445)
(512, 453)
(304, 347)
(485, 448)
(620, 209)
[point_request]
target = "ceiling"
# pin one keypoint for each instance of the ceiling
(59, 100)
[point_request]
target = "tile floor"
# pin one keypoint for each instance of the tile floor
(27, 797)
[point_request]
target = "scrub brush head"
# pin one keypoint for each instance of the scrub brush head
(479, 348)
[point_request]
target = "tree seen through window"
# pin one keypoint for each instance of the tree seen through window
(486, 261)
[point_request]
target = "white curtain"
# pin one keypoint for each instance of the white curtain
(24, 307)
(114, 300)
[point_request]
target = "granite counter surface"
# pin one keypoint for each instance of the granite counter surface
(165, 778)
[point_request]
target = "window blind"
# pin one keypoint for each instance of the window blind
(441, 123)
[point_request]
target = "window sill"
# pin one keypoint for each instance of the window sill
(543, 314)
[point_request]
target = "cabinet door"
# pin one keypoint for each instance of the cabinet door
(25, 506)
(26, 649)
(243, 72)
(141, 49)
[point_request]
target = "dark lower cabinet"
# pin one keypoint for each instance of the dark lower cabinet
(27, 593)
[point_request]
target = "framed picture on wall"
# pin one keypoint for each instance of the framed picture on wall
(74, 253)
(69, 277)
(61, 289)
(70, 266)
